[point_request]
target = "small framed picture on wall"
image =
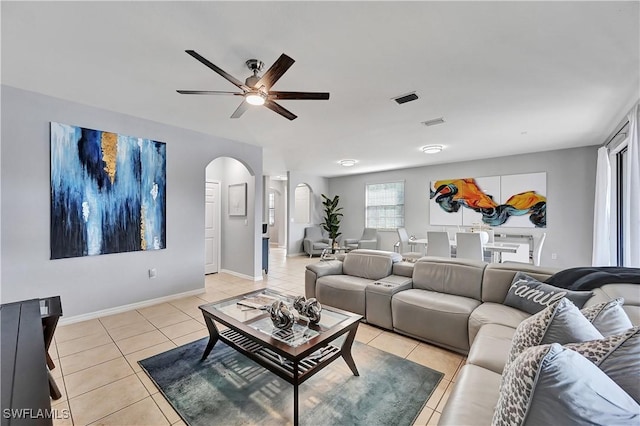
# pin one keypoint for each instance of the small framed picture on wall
(238, 199)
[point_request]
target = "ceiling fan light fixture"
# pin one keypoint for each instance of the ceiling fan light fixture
(347, 163)
(432, 149)
(255, 98)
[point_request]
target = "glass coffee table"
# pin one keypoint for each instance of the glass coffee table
(296, 354)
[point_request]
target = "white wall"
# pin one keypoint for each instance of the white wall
(319, 186)
(570, 197)
(90, 284)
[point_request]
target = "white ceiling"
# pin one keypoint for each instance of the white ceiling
(508, 77)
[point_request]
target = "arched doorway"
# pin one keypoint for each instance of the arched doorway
(229, 228)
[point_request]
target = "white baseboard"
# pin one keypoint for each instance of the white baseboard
(239, 275)
(130, 307)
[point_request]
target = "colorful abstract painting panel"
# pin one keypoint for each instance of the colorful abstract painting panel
(108, 192)
(510, 200)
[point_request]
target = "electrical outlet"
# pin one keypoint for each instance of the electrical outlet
(152, 273)
(554, 256)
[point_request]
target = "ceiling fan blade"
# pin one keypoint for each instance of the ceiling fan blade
(274, 73)
(280, 110)
(208, 92)
(220, 71)
(240, 110)
(298, 95)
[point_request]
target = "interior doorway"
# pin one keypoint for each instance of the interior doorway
(212, 227)
(232, 228)
(276, 210)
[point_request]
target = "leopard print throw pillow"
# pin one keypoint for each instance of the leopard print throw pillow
(519, 382)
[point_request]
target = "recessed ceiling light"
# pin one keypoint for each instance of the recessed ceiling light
(347, 163)
(432, 149)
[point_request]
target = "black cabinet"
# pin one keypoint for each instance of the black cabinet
(25, 377)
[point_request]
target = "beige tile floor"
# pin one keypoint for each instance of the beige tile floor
(102, 383)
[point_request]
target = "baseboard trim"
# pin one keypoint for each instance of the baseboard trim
(129, 307)
(239, 275)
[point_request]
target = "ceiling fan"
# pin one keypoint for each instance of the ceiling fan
(256, 89)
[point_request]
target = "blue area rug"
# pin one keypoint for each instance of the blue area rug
(230, 389)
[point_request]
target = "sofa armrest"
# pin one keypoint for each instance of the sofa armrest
(307, 245)
(317, 270)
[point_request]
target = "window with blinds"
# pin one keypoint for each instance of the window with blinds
(272, 208)
(385, 205)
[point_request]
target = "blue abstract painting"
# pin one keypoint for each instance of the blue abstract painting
(108, 192)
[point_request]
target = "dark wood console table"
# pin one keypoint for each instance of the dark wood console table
(27, 329)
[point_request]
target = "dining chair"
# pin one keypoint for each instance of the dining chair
(490, 256)
(469, 245)
(405, 249)
(537, 248)
(438, 244)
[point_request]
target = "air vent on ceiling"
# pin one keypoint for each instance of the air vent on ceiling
(434, 121)
(403, 99)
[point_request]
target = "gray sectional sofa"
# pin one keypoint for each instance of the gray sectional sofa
(453, 303)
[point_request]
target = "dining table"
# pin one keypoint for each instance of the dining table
(497, 248)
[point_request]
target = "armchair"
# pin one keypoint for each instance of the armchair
(369, 240)
(315, 240)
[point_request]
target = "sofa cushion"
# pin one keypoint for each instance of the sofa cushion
(494, 313)
(473, 397)
(432, 316)
(369, 266)
(560, 323)
(343, 291)
(530, 295)
(491, 347)
(499, 276)
(618, 356)
(456, 277)
(550, 384)
(608, 317)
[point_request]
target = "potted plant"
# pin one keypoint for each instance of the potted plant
(332, 218)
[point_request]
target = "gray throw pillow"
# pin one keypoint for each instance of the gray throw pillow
(530, 295)
(560, 323)
(552, 385)
(618, 357)
(608, 317)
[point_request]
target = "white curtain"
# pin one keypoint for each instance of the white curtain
(631, 207)
(603, 245)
